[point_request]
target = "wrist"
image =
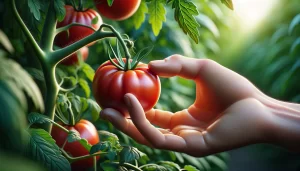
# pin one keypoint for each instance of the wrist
(284, 129)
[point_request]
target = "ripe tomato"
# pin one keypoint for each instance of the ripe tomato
(120, 9)
(87, 131)
(77, 32)
(111, 84)
(73, 59)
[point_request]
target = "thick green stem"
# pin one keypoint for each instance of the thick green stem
(49, 29)
(39, 52)
(62, 53)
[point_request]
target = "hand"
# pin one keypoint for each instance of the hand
(228, 112)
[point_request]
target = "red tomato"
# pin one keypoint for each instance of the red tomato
(111, 84)
(73, 59)
(87, 131)
(120, 9)
(77, 32)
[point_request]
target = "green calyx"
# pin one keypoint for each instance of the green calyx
(130, 63)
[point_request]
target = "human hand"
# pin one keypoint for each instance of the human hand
(228, 112)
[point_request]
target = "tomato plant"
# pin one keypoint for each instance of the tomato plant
(111, 84)
(89, 18)
(73, 59)
(87, 131)
(119, 10)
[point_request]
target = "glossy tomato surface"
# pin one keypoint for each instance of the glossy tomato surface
(111, 84)
(87, 131)
(73, 59)
(77, 32)
(120, 9)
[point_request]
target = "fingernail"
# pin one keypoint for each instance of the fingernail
(127, 101)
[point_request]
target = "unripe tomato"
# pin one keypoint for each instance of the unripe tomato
(120, 9)
(111, 84)
(77, 32)
(73, 59)
(87, 131)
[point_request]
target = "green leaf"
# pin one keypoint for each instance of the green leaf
(153, 167)
(94, 109)
(169, 165)
(295, 22)
(107, 166)
(217, 161)
(44, 149)
(15, 76)
(5, 42)
(157, 14)
(59, 9)
(139, 16)
(184, 15)
(228, 3)
(35, 6)
(85, 144)
(102, 146)
(190, 168)
(110, 2)
(34, 117)
(108, 136)
(204, 20)
(129, 154)
(88, 71)
(85, 86)
(73, 136)
(36, 73)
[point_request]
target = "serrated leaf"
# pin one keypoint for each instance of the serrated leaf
(44, 149)
(295, 22)
(88, 71)
(129, 154)
(102, 146)
(35, 6)
(157, 14)
(34, 117)
(73, 136)
(228, 3)
(85, 86)
(139, 16)
(184, 15)
(190, 168)
(59, 9)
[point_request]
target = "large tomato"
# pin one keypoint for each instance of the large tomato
(77, 32)
(73, 59)
(120, 9)
(87, 131)
(111, 84)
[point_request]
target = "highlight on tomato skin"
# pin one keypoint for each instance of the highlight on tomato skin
(110, 84)
(120, 9)
(87, 131)
(73, 59)
(76, 33)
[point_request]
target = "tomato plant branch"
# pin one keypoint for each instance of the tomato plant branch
(61, 29)
(71, 115)
(129, 166)
(49, 29)
(39, 52)
(62, 53)
(74, 159)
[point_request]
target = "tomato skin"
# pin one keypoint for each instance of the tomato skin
(87, 131)
(73, 59)
(77, 32)
(120, 9)
(111, 84)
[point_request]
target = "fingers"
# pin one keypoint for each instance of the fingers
(176, 65)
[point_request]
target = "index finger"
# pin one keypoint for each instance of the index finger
(176, 65)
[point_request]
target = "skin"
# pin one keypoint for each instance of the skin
(228, 112)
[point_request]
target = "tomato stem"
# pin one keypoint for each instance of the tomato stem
(80, 6)
(64, 28)
(74, 159)
(71, 114)
(95, 163)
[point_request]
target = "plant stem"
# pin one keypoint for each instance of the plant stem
(129, 166)
(95, 163)
(39, 52)
(74, 159)
(62, 53)
(71, 115)
(80, 6)
(49, 29)
(64, 28)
